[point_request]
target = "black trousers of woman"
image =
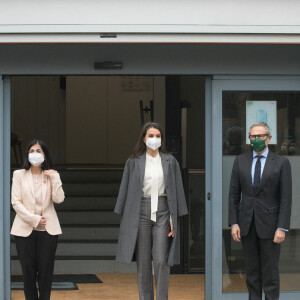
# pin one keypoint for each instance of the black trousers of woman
(37, 253)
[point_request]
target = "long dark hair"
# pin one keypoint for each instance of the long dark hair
(46, 165)
(140, 146)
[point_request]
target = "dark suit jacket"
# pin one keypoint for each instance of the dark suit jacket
(271, 204)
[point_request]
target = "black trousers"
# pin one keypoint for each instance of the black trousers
(261, 261)
(37, 253)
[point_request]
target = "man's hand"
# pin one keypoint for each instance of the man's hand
(279, 236)
(236, 233)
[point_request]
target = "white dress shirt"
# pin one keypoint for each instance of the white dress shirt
(263, 159)
(154, 183)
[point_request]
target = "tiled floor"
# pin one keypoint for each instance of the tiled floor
(124, 287)
(182, 287)
(237, 282)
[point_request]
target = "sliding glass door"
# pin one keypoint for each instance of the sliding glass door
(236, 104)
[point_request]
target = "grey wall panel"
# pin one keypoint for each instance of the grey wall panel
(222, 59)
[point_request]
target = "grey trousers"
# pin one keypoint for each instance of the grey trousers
(153, 243)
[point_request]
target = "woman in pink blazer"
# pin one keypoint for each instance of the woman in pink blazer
(35, 188)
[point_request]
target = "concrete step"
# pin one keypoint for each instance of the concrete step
(85, 217)
(81, 249)
(91, 176)
(91, 189)
(88, 217)
(83, 267)
(91, 233)
(79, 225)
(76, 232)
(88, 203)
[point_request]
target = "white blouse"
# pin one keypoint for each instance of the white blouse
(154, 183)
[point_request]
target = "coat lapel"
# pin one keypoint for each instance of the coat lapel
(30, 182)
(142, 163)
(44, 187)
(165, 165)
(249, 168)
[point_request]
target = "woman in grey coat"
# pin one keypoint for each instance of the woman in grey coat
(151, 198)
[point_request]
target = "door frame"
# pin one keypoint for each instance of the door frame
(208, 188)
(5, 187)
(233, 83)
(5, 184)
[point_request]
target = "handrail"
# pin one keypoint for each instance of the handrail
(195, 171)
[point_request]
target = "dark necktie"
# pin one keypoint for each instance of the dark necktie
(257, 171)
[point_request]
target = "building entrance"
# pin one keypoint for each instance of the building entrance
(90, 124)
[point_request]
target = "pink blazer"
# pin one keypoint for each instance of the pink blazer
(23, 202)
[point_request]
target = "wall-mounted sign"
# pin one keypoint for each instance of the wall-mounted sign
(136, 83)
(262, 111)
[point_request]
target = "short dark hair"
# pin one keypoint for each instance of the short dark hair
(262, 124)
(140, 146)
(46, 165)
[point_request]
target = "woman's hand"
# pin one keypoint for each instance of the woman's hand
(43, 221)
(49, 172)
(171, 234)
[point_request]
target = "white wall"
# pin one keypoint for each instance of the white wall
(86, 119)
(95, 120)
(38, 111)
(196, 14)
(103, 115)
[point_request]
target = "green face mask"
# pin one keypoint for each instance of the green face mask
(258, 145)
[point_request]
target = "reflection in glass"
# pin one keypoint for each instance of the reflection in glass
(197, 220)
(235, 142)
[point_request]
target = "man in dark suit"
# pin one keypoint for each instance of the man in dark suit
(259, 211)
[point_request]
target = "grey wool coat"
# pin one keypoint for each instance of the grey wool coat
(129, 204)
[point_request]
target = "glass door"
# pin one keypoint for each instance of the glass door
(236, 103)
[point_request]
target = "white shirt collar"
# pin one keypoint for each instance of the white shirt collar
(264, 154)
(157, 157)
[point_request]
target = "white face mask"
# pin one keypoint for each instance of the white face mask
(36, 159)
(153, 143)
(292, 149)
(283, 148)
